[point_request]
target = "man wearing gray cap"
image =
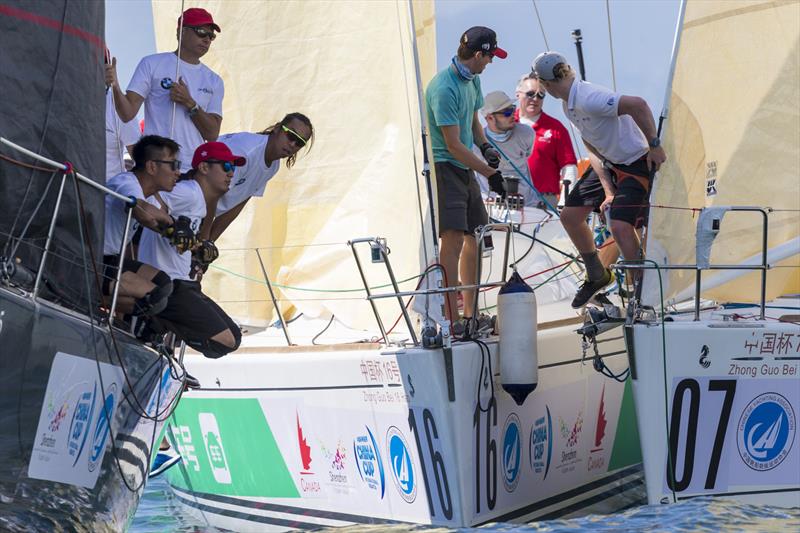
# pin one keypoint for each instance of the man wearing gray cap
(512, 139)
(621, 136)
(452, 101)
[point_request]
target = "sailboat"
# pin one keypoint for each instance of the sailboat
(336, 416)
(82, 401)
(713, 341)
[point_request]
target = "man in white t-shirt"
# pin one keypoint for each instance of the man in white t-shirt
(620, 133)
(143, 289)
(120, 138)
(264, 152)
(196, 95)
(192, 315)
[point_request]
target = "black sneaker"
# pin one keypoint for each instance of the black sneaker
(589, 288)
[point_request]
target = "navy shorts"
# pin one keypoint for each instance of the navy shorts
(459, 199)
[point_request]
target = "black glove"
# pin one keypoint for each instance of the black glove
(491, 155)
(206, 253)
(180, 234)
(496, 183)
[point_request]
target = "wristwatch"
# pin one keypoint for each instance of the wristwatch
(193, 111)
(655, 142)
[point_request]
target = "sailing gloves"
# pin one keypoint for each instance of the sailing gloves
(202, 256)
(496, 183)
(491, 155)
(180, 234)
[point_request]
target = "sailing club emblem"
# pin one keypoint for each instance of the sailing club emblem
(704, 361)
(401, 464)
(512, 445)
(766, 431)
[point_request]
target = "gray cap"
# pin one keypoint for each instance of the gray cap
(545, 63)
(496, 101)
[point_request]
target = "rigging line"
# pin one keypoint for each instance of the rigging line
(177, 70)
(611, 47)
(20, 240)
(24, 164)
(541, 26)
(417, 173)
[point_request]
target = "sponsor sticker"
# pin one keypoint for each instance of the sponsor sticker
(402, 466)
(212, 439)
(541, 444)
(368, 462)
(512, 444)
(766, 431)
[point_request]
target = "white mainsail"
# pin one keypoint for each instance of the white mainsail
(732, 138)
(349, 66)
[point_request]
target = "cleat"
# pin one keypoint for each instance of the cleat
(590, 288)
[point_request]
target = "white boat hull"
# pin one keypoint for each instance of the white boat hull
(298, 438)
(728, 395)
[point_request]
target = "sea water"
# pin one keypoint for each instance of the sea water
(159, 513)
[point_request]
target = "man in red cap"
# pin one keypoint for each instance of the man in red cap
(452, 101)
(192, 315)
(195, 93)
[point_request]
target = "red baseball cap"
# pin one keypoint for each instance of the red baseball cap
(216, 151)
(196, 16)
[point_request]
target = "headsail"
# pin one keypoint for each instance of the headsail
(732, 138)
(348, 65)
(53, 104)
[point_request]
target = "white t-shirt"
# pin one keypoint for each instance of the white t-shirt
(185, 199)
(156, 71)
(128, 184)
(119, 135)
(250, 179)
(593, 110)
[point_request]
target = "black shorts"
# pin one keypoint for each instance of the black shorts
(587, 192)
(110, 264)
(193, 316)
(459, 199)
(632, 201)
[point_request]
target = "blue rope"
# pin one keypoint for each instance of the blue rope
(524, 177)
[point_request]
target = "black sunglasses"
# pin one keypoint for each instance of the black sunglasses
(174, 164)
(203, 33)
(533, 94)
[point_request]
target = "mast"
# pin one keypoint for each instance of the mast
(673, 61)
(576, 35)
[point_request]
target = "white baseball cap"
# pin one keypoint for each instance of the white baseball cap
(544, 65)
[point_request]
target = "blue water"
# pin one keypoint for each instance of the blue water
(158, 513)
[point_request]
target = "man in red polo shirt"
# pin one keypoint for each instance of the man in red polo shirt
(552, 157)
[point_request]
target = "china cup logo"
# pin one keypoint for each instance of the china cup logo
(766, 431)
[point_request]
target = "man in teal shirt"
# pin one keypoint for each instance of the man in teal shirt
(452, 101)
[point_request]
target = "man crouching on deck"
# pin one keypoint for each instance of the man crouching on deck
(452, 101)
(193, 316)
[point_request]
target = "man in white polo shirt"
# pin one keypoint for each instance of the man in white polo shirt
(196, 95)
(621, 136)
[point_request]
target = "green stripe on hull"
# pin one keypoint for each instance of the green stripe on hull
(228, 448)
(627, 450)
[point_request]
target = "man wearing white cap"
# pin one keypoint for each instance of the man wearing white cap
(452, 101)
(621, 136)
(511, 139)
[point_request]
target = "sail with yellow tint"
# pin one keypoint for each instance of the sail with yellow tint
(733, 139)
(361, 178)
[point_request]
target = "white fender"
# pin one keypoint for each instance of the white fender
(516, 319)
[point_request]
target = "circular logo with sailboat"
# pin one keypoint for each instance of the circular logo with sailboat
(102, 428)
(512, 444)
(401, 464)
(766, 431)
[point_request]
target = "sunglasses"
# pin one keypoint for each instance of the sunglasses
(203, 33)
(295, 137)
(227, 166)
(533, 94)
(507, 112)
(174, 164)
